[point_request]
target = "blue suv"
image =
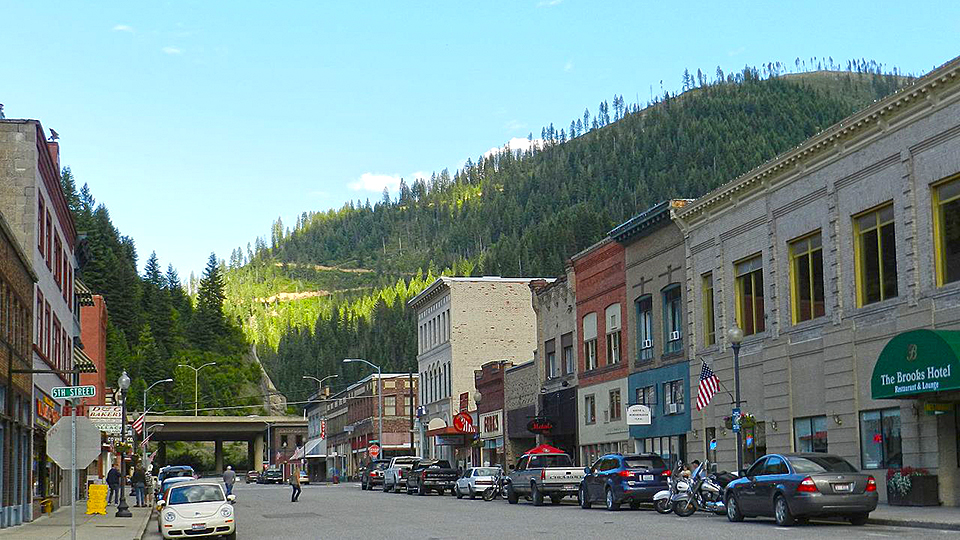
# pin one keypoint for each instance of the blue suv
(617, 478)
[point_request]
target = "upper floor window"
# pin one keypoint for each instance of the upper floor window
(615, 406)
(672, 320)
(389, 405)
(806, 278)
(590, 341)
(946, 230)
(41, 230)
(749, 290)
(550, 352)
(647, 395)
(709, 321)
(569, 364)
(613, 334)
(48, 241)
(644, 306)
(876, 255)
(673, 397)
(590, 409)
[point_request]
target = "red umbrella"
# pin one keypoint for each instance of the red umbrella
(545, 449)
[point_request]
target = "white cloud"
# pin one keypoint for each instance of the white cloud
(548, 3)
(514, 125)
(516, 143)
(419, 174)
(171, 50)
(123, 28)
(375, 183)
(568, 66)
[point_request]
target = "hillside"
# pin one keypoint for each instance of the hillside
(518, 213)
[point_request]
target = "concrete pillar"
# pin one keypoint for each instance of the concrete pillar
(162, 454)
(258, 450)
(218, 456)
(252, 455)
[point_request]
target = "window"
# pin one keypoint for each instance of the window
(49, 231)
(880, 439)
(673, 397)
(749, 290)
(806, 278)
(389, 405)
(590, 341)
(644, 328)
(58, 261)
(569, 363)
(672, 320)
(590, 409)
(775, 465)
(550, 352)
(41, 230)
(647, 395)
(615, 407)
(613, 334)
(38, 337)
(946, 230)
(876, 255)
(709, 322)
(46, 329)
(810, 434)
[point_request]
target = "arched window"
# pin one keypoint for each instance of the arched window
(590, 341)
(612, 322)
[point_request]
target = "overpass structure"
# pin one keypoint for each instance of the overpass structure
(255, 430)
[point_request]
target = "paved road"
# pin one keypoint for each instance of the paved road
(344, 511)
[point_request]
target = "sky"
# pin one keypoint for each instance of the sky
(199, 123)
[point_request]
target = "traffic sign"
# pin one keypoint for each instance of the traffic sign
(65, 392)
(88, 442)
(373, 450)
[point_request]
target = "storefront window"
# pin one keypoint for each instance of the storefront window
(946, 206)
(754, 442)
(880, 439)
(669, 448)
(810, 434)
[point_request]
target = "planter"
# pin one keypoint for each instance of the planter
(924, 491)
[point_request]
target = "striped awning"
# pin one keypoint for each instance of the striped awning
(84, 294)
(82, 362)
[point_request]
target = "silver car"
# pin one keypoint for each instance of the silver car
(475, 480)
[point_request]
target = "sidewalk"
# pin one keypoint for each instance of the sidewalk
(926, 517)
(56, 526)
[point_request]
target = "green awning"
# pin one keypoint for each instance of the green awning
(917, 362)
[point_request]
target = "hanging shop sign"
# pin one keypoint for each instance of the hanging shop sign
(638, 415)
(449, 440)
(47, 414)
(917, 362)
(463, 423)
(540, 425)
(491, 425)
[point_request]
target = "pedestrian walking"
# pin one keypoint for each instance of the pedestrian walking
(139, 481)
(295, 482)
(113, 485)
(229, 478)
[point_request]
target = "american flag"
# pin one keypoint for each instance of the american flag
(138, 424)
(709, 385)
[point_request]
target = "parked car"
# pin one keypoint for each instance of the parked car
(615, 479)
(252, 477)
(176, 470)
(270, 476)
(544, 472)
(475, 480)
(373, 475)
(431, 475)
(166, 484)
(304, 477)
(795, 487)
(197, 509)
(395, 476)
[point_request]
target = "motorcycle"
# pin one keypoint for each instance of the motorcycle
(662, 500)
(498, 488)
(704, 492)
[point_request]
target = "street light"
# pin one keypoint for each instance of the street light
(320, 381)
(124, 382)
(144, 461)
(735, 335)
(196, 384)
(379, 394)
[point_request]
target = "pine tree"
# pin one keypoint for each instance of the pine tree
(208, 320)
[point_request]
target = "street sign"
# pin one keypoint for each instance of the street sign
(88, 442)
(735, 417)
(373, 450)
(65, 392)
(108, 419)
(638, 415)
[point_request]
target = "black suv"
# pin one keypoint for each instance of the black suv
(623, 478)
(373, 474)
(271, 476)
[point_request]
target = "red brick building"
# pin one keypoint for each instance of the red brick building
(93, 335)
(490, 416)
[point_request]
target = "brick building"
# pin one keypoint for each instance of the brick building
(489, 398)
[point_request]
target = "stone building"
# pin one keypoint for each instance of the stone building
(521, 386)
(17, 280)
(840, 262)
(464, 322)
(656, 349)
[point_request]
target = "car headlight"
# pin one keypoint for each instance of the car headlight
(169, 516)
(226, 511)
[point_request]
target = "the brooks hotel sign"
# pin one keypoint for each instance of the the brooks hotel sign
(917, 362)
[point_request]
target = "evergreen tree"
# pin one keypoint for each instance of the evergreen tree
(208, 320)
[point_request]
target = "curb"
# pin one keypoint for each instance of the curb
(915, 524)
(142, 529)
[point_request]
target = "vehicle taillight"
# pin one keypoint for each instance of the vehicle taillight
(543, 474)
(807, 485)
(871, 484)
(665, 473)
(626, 474)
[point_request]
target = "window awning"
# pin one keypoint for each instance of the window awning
(84, 294)
(917, 362)
(82, 363)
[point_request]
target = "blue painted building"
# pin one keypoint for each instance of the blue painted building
(665, 390)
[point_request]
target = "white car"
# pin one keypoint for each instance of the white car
(197, 509)
(475, 480)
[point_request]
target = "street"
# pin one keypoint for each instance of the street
(344, 511)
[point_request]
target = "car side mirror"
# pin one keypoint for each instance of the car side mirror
(586, 470)
(161, 503)
(743, 473)
(513, 467)
(231, 498)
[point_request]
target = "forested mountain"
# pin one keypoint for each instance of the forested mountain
(518, 213)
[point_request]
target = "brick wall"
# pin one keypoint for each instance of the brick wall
(600, 282)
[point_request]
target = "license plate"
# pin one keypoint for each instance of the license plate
(843, 487)
(648, 478)
(570, 487)
(198, 526)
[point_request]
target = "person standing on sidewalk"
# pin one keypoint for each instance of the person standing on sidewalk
(113, 485)
(295, 482)
(139, 481)
(229, 478)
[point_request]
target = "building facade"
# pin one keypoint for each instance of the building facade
(490, 415)
(840, 262)
(521, 387)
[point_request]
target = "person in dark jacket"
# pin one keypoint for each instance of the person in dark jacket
(139, 481)
(113, 485)
(295, 482)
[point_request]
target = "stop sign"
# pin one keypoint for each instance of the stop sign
(373, 450)
(59, 446)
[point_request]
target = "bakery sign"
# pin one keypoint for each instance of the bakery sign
(491, 425)
(917, 362)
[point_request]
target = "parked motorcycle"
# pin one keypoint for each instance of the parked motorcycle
(498, 488)
(704, 492)
(663, 499)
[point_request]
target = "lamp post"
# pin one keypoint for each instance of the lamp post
(320, 381)
(379, 395)
(196, 384)
(735, 335)
(124, 382)
(144, 461)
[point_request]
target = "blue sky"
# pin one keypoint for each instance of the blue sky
(200, 123)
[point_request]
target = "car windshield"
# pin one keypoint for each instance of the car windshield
(488, 471)
(646, 462)
(550, 460)
(196, 494)
(382, 466)
(817, 464)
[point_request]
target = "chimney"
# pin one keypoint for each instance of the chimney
(54, 148)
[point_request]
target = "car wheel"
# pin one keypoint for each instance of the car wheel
(781, 512)
(231, 536)
(456, 491)
(859, 519)
(512, 496)
(386, 489)
(612, 504)
(421, 491)
(584, 498)
(440, 492)
(733, 509)
(473, 494)
(363, 486)
(537, 495)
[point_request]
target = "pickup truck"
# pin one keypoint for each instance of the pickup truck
(431, 474)
(395, 476)
(543, 475)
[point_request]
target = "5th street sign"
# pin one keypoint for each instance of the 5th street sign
(65, 392)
